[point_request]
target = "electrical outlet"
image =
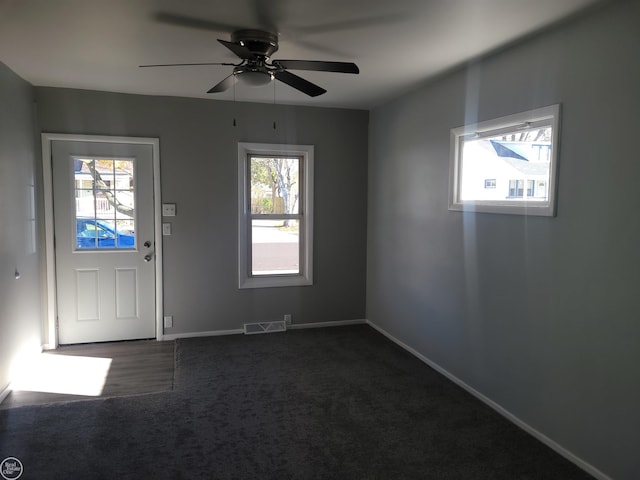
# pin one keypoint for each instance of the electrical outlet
(287, 318)
(168, 321)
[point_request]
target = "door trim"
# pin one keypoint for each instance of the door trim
(50, 340)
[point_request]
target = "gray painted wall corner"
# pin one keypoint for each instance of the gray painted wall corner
(537, 314)
(20, 287)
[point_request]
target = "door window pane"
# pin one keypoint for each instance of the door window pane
(104, 203)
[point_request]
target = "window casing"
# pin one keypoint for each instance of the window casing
(506, 165)
(275, 215)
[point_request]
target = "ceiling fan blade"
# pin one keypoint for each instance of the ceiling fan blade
(319, 66)
(185, 64)
(239, 50)
(192, 22)
(299, 83)
(223, 85)
(317, 46)
(353, 23)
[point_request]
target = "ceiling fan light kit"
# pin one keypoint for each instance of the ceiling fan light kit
(254, 48)
(254, 78)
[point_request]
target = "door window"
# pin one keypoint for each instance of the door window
(104, 203)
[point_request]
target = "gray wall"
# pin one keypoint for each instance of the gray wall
(20, 312)
(541, 315)
(198, 149)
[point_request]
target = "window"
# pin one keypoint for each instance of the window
(516, 188)
(275, 215)
(513, 157)
(104, 204)
(530, 188)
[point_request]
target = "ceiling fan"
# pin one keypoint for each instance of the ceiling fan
(254, 48)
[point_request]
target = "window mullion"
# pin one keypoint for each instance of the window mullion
(275, 216)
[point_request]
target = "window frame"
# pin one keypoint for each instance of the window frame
(532, 119)
(305, 216)
(133, 189)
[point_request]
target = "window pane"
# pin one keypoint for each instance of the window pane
(125, 234)
(275, 247)
(104, 203)
(274, 185)
(106, 234)
(511, 159)
(85, 233)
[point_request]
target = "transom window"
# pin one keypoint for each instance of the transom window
(506, 165)
(275, 215)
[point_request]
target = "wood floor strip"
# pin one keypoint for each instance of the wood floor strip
(137, 367)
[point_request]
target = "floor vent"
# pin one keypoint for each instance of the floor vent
(265, 327)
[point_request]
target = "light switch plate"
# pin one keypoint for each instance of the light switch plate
(168, 209)
(166, 229)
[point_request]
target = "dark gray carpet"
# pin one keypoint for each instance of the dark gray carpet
(334, 403)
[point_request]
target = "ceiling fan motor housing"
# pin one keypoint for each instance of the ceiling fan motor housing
(258, 42)
(254, 48)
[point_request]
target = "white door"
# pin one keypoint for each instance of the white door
(104, 241)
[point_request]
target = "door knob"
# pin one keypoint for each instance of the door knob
(147, 258)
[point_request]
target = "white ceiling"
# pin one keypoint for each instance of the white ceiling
(98, 44)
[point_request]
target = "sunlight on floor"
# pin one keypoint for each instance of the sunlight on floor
(69, 375)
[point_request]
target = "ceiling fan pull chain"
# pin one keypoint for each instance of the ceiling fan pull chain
(274, 100)
(234, 103)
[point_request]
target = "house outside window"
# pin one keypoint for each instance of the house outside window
(506, 165)
(275, 221)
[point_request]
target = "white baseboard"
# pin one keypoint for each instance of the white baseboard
(587, 467)
(340, 323)
(212, 333)
(239, 331)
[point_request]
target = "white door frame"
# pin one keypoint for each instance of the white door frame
(51, 325)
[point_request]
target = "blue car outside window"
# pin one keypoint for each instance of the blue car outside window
(98, 234)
